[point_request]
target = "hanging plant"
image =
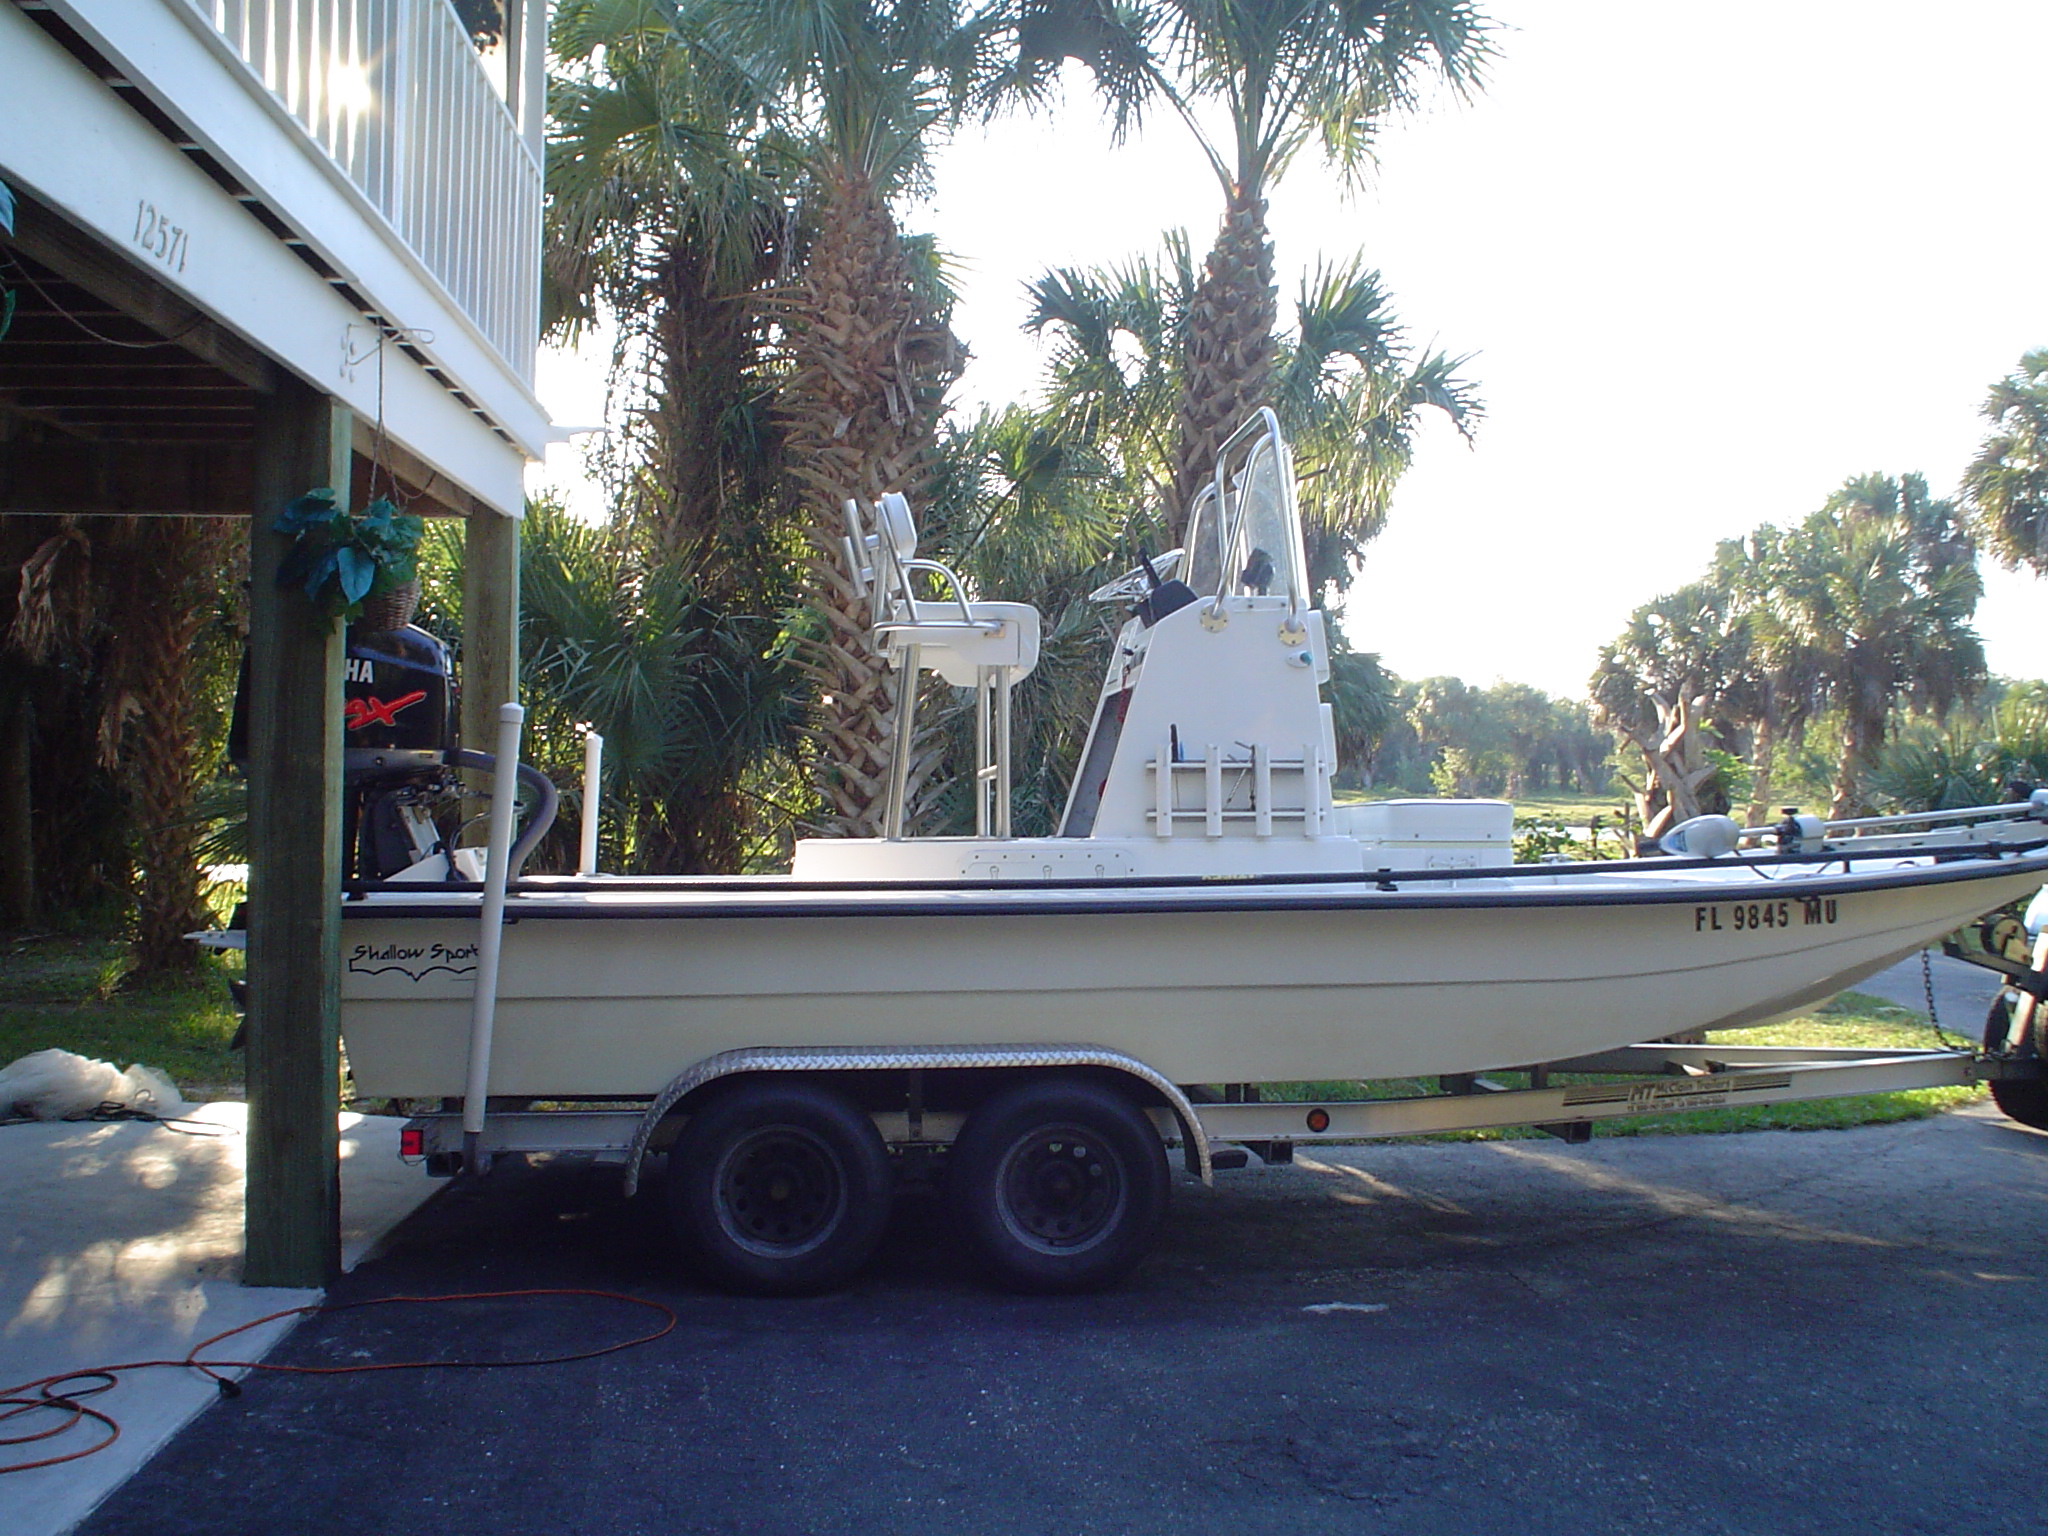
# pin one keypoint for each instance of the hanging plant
(342, 559)
(6, 228)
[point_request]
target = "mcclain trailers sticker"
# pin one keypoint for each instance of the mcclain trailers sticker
(417, 961)
(1650, 1098)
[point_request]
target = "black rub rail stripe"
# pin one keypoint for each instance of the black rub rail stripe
(1101, 897)
(557, 884)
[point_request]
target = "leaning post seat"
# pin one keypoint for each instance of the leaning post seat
(987, 646)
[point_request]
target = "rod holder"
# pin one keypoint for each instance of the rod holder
(593, 765)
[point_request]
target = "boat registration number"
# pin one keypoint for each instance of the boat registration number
(1749, 916)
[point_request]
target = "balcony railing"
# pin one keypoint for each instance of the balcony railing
(394, 92)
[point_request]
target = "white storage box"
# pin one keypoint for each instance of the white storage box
(1431, 834)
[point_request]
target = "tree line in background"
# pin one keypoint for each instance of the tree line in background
(727, 184)
(1837, 654)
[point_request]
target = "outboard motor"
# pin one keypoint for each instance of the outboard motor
(398, 748)
(399, 757)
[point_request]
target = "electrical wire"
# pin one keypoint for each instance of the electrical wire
(49, 1394)
(111, 1111)
(173, 339)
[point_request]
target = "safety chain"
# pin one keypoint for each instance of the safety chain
(1934, 1014)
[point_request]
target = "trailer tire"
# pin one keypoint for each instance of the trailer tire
(2023, 1099)
(1058, 1185)
(780, 1188)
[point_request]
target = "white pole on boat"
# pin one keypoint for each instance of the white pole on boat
(906, 733)
(593, 763)
(483, 1012)
(1005, 677)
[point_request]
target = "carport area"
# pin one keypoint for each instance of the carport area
(125, 408)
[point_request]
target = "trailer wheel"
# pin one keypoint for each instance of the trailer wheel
(1059, 1186)
(780, 1188)
(2020, 1098)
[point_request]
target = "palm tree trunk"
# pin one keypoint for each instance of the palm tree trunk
(869, 367)
(1229, 362)
(1859, 741)
(703, 339)
(1762, 761)
(177, 562)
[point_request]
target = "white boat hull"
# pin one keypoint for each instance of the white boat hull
(612, 989)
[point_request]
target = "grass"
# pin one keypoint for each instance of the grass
(1572, 807)
(72, 992)
(1851, 1019)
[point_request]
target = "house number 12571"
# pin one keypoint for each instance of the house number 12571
(159, 236)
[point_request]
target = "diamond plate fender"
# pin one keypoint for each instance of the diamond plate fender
(779, 1058)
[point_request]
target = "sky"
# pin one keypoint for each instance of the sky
(1704, 271)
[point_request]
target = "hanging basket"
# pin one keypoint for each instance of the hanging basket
(389, 610)
(341, 561)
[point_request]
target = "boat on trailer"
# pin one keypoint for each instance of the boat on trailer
(1038, 1018)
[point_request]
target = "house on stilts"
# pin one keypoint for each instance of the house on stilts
(260, 246)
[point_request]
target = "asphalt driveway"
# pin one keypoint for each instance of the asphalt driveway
(1774, 1333)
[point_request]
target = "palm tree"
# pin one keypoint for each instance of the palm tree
(1660, 685)
(1284, 72)
(1347, 389)
(1365, 702)
(696, 706)
(1351, 395)
(1879, 586)
(1023, 509)
(866, 351)
(1113, 377)
(2006, 485)
(129, 622)
(1782, 685)
(667, 213)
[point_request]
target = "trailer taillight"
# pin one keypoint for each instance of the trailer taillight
(1319, 1119)
(412, 1141)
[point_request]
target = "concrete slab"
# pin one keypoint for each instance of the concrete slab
(123, 1242)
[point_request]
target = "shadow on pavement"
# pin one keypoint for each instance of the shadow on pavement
(1768, 1333)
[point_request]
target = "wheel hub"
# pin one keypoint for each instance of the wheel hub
(1062, 1189)
(780, 1191)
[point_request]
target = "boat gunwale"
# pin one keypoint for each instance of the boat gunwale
(529, 901)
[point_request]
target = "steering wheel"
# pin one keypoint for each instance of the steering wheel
(1137, 581)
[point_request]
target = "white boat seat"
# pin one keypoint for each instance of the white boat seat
(956, 639)
(988, 647)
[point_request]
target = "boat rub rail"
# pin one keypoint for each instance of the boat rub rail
(531, 899)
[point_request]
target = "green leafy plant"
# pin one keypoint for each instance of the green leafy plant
(341, 559)
(1537, 837)
(6, 227)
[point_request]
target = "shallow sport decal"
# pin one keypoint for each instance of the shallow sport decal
(417, 961)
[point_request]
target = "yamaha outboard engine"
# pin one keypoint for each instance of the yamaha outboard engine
(399, 757)
(398, 748)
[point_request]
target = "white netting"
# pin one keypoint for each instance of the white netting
(62, 1085)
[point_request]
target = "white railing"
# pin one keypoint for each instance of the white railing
(395, 94)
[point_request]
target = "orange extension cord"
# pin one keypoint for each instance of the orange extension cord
(42, 1394)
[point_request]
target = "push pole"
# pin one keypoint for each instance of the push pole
(593, 761)
(504, 791)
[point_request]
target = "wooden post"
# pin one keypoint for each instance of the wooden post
(490, 637)
(292, 1221)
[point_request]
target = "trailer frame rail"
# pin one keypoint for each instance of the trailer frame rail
(1638, 1080)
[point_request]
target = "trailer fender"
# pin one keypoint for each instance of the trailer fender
(780, 1058)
